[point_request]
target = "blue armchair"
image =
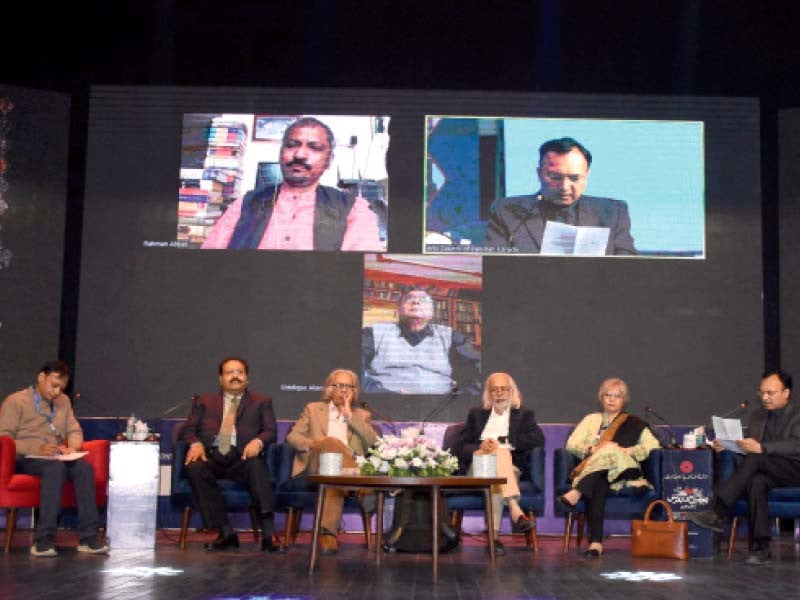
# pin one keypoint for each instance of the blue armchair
(294, 501)
(784, 503)
(237, 497)
(620, 505)
(532, 490)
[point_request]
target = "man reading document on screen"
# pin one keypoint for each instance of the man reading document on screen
(559, 219)
(299, 214)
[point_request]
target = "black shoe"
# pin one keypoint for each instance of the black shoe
(223, 542)
(92, 545)
(761, 556)
(44, 547)
(521, 525)
(268, 546)
(593, 553)
(390, 540)
(564, 502)
(450, 543)
(499, 548)
(707, 519)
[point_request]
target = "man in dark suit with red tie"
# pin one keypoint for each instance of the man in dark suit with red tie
(228, 434)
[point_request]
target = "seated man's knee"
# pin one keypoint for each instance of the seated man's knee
(195, 469)
(55, 468)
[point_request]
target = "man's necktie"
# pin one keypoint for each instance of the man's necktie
(224, 445)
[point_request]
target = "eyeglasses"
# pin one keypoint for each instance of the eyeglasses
(500, 389)
(343, 386)
(768, 393)
(558, 177)
(612, 395)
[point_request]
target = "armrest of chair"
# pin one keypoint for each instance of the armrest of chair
(98, 457)
(179, 450)
(285, 455)
(537, 469)
(726, 463)
(651, 469)
(8, 457)
(563, 463)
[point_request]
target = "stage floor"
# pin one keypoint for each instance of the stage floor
(170, 573)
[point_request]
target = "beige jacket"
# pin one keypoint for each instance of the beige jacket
(31, 429)
(313, 425)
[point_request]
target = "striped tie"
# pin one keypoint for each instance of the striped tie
(224, 445)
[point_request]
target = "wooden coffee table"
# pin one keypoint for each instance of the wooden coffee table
(383, 484)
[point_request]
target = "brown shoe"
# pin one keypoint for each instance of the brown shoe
(328, 544)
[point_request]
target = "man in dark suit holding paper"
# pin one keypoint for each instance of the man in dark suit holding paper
(771, 460)
(519, 222)
(228, 434)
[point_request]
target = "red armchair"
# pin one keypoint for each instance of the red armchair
(22, 491)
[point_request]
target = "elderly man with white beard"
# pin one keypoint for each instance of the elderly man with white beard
(503, 428)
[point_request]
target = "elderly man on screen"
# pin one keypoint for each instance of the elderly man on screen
(416, 356)
(41, 421)
(333, 424)
(503, 428)
(299, 214)
(520, 221)
(771, 460)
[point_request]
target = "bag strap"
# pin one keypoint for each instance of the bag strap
(607, 436)
(653, 504)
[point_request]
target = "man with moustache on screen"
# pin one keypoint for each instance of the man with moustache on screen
(299, 214)
(416, 356)
(519, 222)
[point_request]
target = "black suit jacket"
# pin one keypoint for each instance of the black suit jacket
(524, 434)
(787, 442)
(254, 419)
(517, 222)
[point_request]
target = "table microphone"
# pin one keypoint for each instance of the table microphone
(673, 438)
(740, 408)
(157, 421)
(387, 419)
(79, 398)
(454, 392)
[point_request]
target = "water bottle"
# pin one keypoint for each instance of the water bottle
(129, 430)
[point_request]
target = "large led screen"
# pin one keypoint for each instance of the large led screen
(564, 187)
(283, 182)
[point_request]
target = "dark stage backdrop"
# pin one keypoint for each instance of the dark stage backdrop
(685, 334)
(789, 219)
(33, 166)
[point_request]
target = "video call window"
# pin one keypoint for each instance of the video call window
(422, 324)
(283, 182)
(486, 191)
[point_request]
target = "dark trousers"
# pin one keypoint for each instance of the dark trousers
(594, 489)
(53, 474)
(203, 475)
(755, 476)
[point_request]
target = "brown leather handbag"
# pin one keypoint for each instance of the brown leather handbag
(659, 539)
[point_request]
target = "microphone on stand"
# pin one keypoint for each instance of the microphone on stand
(157, 420)
(740, 408)
(673, 437)
(386, 419)
(454, 392)
(79, 398)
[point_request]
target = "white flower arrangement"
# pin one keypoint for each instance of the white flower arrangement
(407, 455)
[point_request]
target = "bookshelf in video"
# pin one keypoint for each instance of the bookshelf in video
(212, 151)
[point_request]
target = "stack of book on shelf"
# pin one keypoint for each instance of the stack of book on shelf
(212, 153)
